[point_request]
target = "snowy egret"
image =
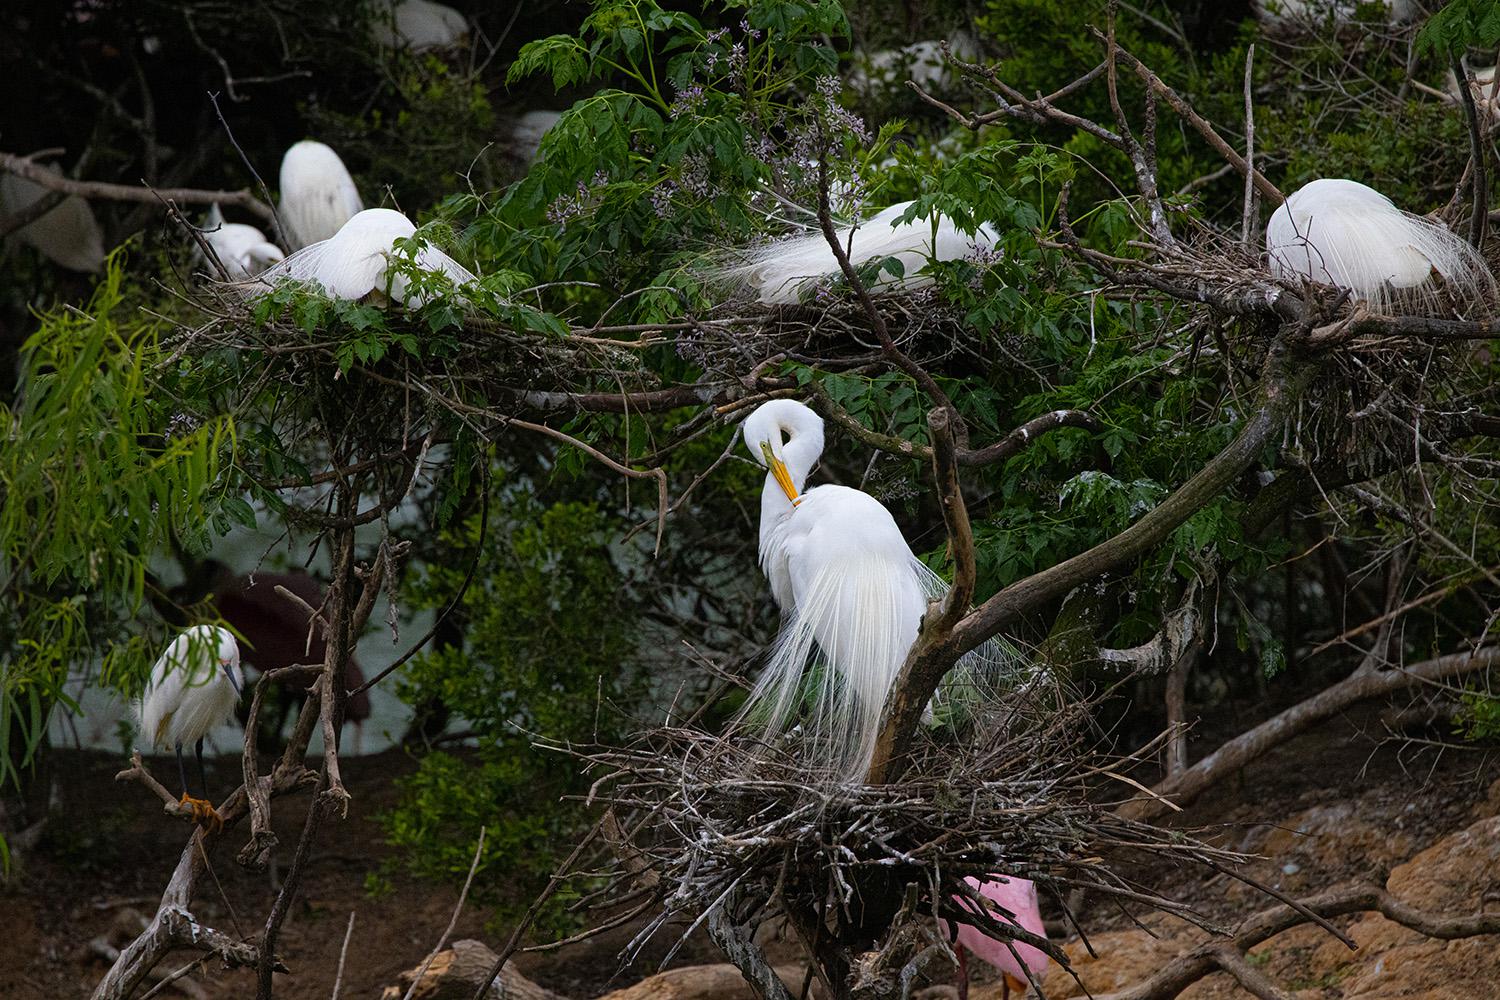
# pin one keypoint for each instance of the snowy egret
(1340, 232)
(243, 250)
(785, 271)
(317, 194)
(420, 25)
(845, 581)
(1011, 901)
(355, 263)
(193, 687)
(68, 235)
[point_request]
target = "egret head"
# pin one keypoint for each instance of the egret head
(786, 437)
(227, 656)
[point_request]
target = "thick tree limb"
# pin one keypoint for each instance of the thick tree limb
(738, 945)
(22, 167)
(1241, 750)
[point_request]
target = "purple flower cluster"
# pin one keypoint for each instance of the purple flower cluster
(689, 100)
(584, 200)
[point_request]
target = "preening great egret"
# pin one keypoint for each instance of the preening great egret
(419, 25)
(785, 271)
(356, 261)
(1014, 902)
(846, 583)
(193, 687)
(68, 235)
(1340, 232)
(317, 194)
(243, 250)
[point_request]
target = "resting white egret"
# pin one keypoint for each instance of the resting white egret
(317, 194)
(243, 250)
(419, 25)
(1007, 900)
(1340, 232)
(355, 263)
(68, 235)
(787, 270)
(846, 582)
(193, 688)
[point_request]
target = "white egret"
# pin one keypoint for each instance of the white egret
(846, 582)
(785, 271)
(355, 263)
(1340, 232)
(68, 235)
(243, 250)
(526, 134)
(194, 686)
(1007, 900)
(420, 25)
(317, 194)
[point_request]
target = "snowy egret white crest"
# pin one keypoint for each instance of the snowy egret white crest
(68, 235)
(1340, 232)
(787, 270)
(847, 585)
(356, 261)
(194, 686)
(243, 250)
(420, 25)
(317, 194)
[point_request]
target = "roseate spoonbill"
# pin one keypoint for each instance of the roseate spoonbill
(845, 580)
(69, 235)
(1014, 902)
(355, 263)
(1340, 232)
(785, 271)
(317, 194)
(243, 250)
(193, 687)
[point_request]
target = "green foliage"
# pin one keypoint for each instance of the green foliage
(1459, 25)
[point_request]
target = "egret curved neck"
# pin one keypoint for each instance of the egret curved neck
(799, 455)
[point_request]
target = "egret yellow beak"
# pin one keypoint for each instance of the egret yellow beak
(778, 470)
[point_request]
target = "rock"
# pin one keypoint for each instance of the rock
(456, 973)
(701, 982)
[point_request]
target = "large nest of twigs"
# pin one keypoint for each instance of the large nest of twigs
(702, 822)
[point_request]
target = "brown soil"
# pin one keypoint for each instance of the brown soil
(1333, 805)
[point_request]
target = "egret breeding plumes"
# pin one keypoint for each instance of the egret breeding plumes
(193, 688)
(317, 194)
(68, 235)
(1340, 232)
(420, 25)
(357, 261)
(848, 586)
(243, 250)
(786, 271)
(1011, 901)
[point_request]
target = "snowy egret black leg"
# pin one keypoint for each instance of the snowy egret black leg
(181, 770)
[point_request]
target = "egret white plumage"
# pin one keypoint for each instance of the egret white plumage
(420, 25)
(1007, 900)
(243, 250)
(1340, 232)
(355, 263)
(785, 271)
(317, 194)
(847, 584)
(526, 134)
(68, 235)
(193, 688)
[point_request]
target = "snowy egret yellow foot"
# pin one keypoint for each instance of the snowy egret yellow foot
(204, 813)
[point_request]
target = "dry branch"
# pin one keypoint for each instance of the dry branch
(22, 167)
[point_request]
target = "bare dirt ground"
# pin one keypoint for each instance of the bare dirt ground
(1334, 805)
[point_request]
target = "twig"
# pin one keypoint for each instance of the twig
(452, 922)
(22, 167)
(338, 979)
(1247, 223)
(1479, 177)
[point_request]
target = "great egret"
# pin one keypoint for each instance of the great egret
(420, 25)
(1009, 900)
(243, 250)
(68, 235)
(846, 582)
(785, 271)
(193, 687)
(317, 194)
(1340, 232)
(355, 263)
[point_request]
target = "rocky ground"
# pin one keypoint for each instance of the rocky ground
(1334, 807)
